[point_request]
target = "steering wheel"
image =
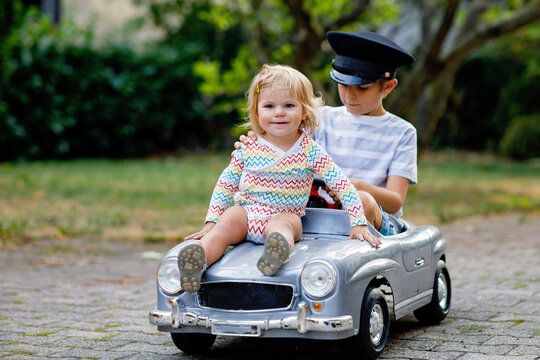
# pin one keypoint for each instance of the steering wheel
(316, 199)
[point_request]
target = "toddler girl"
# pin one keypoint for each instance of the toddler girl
(269, 180)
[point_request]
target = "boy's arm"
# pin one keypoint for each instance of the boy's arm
(392, 197)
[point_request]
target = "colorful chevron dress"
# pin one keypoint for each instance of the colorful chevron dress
(266, 181)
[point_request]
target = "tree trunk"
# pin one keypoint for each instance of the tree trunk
(430, 107)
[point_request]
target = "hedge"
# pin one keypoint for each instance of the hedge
(64, 98)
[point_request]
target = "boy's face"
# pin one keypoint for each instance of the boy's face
(365, 99)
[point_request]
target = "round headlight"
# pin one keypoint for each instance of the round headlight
(319, 278)
(168, 276)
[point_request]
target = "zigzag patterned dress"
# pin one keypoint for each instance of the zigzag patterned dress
(266, 181)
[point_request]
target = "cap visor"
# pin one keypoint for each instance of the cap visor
(344, 79)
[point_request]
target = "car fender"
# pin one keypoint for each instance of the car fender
(374, 268)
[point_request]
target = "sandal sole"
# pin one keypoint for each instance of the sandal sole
(276, 251)
(191, 262)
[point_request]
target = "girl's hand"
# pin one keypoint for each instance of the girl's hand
(245, 139)
(205, 230)
(361, 232)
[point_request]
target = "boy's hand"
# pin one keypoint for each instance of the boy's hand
(361, 232)
(334, 197)
(205, 230)
(243, 139)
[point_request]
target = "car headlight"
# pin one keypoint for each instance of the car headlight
(318, 278)
(168, 276)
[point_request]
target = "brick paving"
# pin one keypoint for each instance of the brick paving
(90, 300)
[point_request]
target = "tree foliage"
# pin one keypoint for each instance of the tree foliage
(442, 35)
(451, 31)
(55, 86)
(271, 31)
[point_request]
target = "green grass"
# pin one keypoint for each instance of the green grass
(163, 199)
(456, 185)
(152, 199)
(468, 329)
(43, 333)
(18, 352)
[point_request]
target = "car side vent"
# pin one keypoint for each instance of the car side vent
(245, 296)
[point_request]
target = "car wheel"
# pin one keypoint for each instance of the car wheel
(374, 327)
(437, 310)
(193, 343)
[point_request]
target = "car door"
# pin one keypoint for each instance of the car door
(417, 258)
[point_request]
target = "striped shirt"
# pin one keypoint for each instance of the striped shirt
(369, 148)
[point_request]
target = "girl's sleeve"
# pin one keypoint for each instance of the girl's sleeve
(226, 187)
(324, 166)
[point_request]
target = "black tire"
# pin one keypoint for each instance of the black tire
(370, 340)
(193, 343)
(439, 307)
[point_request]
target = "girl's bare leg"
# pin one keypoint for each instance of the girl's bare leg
(281, 232)
(288, 224)
(231, 229)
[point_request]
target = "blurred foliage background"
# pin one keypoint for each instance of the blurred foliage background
(65, 93)
(171, 81)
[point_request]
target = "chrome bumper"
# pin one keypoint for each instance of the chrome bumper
(301, 322)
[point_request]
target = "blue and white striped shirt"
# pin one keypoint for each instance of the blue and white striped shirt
(369, 148)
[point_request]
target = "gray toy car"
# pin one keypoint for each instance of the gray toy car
(331, 288)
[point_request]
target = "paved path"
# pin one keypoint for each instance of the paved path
(90, 300)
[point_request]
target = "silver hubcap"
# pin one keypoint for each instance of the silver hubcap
(442, 290)
(376, 324)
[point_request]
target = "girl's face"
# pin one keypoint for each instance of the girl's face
(365, 99)
(280, 115)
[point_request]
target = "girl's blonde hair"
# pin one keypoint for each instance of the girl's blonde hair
(282, 77)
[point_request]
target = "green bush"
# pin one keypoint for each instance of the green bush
(472, 119)
(64, 98)
(498, 84)
(522, 138)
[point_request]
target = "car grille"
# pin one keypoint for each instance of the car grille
(245, 296)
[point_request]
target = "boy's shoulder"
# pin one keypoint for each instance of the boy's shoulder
(330, 114)
(398, 121)
(331, 110)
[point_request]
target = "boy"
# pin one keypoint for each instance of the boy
(374, 148)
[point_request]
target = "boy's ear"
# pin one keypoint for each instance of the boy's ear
(390, 85)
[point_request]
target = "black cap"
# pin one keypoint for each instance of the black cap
(363, 57)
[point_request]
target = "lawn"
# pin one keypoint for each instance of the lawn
(164, 199)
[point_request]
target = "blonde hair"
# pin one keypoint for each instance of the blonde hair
(282, 77)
